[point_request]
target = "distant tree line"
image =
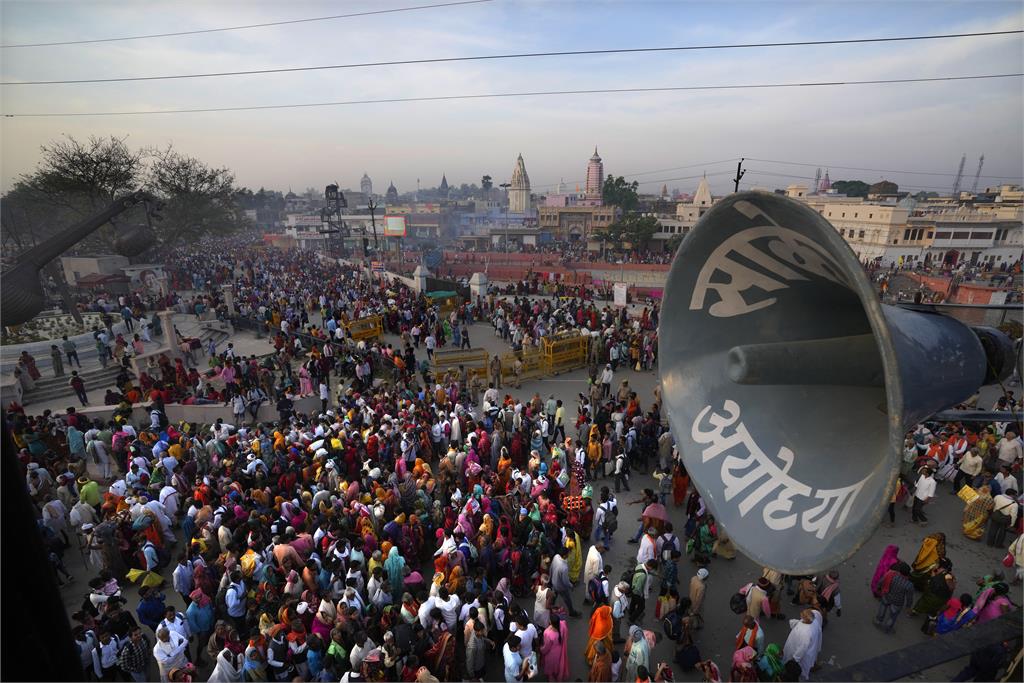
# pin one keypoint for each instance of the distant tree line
(75, 179)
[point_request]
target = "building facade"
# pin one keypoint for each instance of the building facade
(575, 223)
(366, 185)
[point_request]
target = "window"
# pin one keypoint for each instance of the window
(842, 232)
(860, 234)
(961, 235)
(981, 235)
(830, 214)
(854, 214)
(844, 214)
(929, 234)
(871, 215)
(895, 241)
(940, 235)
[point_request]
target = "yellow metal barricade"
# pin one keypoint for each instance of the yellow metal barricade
(370, 327)
(565, 352)
(533, 365)
(474, 360)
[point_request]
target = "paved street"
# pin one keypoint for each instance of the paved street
(848, 639)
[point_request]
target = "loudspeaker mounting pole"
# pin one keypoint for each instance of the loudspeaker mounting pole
(740, 172)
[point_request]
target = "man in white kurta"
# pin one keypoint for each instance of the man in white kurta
(804, 641)
(594, 563)
(169, 651)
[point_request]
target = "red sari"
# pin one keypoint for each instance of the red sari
(680, 485)
(441, 657)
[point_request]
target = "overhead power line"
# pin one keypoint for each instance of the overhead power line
(543, 93)
(641, 173)
(245, 26)
(515, 55)
(772, 174)
(876, 170)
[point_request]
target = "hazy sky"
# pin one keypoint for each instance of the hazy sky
(920, 127)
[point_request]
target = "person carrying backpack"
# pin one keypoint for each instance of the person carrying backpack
(668, 542)
(640, 583)
(606, 518)
(597, 587)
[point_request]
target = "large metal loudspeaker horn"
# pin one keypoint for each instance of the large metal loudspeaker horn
(789, 387)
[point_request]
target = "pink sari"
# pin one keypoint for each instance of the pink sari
(889, 558)
(555, 654)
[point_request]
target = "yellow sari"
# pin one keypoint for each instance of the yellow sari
(575, 557)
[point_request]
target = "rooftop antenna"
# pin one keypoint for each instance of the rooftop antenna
(977, 174)
(959, 177)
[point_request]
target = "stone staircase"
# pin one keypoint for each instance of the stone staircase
(95, 376)
(49, 387)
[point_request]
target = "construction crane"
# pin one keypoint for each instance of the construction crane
(977, 174)
(959, 176)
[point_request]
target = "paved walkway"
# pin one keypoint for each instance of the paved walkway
(847, 640)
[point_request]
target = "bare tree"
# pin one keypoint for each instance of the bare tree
(197, 198)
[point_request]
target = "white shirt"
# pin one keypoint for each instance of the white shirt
(527, 636)
(925, 488)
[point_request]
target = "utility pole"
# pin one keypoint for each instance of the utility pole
(959, 176)
(740, 172)
(373, 221)
(505, 187)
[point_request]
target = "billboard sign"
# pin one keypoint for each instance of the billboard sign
(395, 226)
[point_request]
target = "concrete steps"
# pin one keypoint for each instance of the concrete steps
(54, 387)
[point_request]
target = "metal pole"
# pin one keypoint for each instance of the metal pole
(739, 174)
(373, 221)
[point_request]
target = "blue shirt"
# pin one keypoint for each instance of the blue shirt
(200, 619)
(152, 559)
(151, 611)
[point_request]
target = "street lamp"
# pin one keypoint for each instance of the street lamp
(505, 187)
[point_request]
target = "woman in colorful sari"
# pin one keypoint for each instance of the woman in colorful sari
(600, 631)
(554, 650)
(956, 614)
(976, 514)
(637, 652)
(889, 557)
(769, 667)
(938, 589)
(441, 657)
(456, 580)
(993, 602)
(574, 557)
(394, 565)
(743, 668)
(933, 549)
(680, 484)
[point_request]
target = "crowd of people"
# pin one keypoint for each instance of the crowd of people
(416, 526)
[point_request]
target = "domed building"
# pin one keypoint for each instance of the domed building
(391, 196)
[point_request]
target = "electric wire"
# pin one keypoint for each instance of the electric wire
(543, 93)
(244, 26)
(519, 55)
(876, 170)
